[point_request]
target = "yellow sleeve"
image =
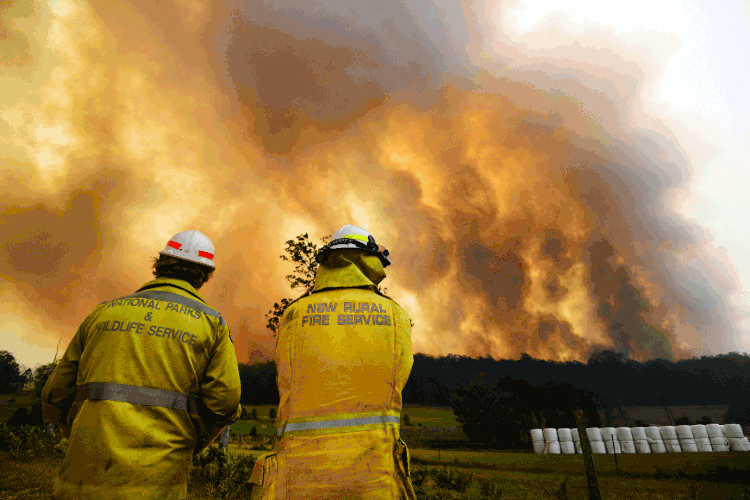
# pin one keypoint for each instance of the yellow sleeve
(59, 391)
(220, 386)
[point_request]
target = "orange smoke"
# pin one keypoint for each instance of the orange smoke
(518, 219)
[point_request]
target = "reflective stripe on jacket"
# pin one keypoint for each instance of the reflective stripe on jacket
(343, 356)
(144, 383)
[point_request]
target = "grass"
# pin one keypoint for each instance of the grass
(524, 485)
(515, 475)
(430, 416)
(9, 403)
(662, 465)
(27, 480)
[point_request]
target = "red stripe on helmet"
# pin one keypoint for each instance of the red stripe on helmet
(207, 255)
(174, 244)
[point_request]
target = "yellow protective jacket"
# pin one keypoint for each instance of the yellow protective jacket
(147, 380)
(343, 355)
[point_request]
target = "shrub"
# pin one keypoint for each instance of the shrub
(254, 432)
(10, 376)
(61, 448)
(222, 472)
(706, 419)
(561, 492)
(490, 490)
(682, 421)
(272, 414)
(451, 479)
(27, 441)
(254, 414)
(418, 477)
(407, 420)
(27, 416)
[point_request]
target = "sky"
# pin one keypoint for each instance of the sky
(550, 178)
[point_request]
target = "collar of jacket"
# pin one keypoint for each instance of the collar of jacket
(171, 283)
(349, 268)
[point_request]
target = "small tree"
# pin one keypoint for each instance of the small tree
(27, 378)
(254, 432)
(41, 374)
(684, 420)
(302, 253)
(272, 414)
(10, 375)
(407, 420)
(254, 414)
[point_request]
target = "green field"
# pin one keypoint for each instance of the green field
(430, 416)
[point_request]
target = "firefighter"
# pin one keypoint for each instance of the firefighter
(147, 381)
(343, 355)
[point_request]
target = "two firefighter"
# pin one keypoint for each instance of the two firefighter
(151, 379)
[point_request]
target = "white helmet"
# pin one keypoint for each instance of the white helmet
(356, 238)
(191, 245)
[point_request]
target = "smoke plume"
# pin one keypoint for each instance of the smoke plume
(525, 198)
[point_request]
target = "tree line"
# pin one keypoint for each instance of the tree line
(499, 401)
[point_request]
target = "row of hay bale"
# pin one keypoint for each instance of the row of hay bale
(667, 439)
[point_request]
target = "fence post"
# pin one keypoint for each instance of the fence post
(588, 458)
(614, 450)
(225, 438)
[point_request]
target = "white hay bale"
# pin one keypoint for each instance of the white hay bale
(567, 447)
(653, 433)
(704, 445)
(653, 436)
(672, 445)
(687, 441)
(574, 433)
(684, 432)
(594, 434)
(613, 446)
(537, 435)
(688, 446)
(625, 437)
(733, 431)
(714, 431)
(550, 435)
(658, 447)
(553, 447)
(624, 434)
(699, 431)
(719, 444)
(745, 444)
(579, 449)
(598, 447)
(607, 433)
(628, 446)
(642, 446)
(564, 435)
(539, 446)
(668, 433)
(639, 434)
(737, 444)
